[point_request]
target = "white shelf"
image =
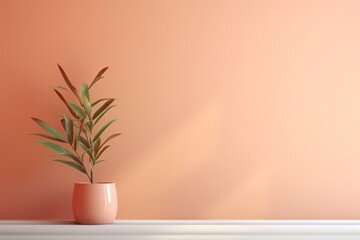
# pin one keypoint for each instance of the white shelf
(183, 229)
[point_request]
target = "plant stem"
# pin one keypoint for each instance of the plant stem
(89, 138)
(91, 146)
(77, 154)
(92, 176)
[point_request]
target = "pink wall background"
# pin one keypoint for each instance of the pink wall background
(228, 109)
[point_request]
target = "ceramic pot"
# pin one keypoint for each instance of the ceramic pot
(94, 203)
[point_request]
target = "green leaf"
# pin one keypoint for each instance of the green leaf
(100, 100)
(87, 125)
(69, 127)
(103, 107)
(62, 121)
(72, 88)
(82, 155)
(87, 150)
(100, 161)
(79, 111)
(54, 147)
(78, 133)
(87, 106)
(101, 115)
(102, 129)
(102, 151)
(97, 146)
(82, 124)
(96, 80)
(49, 129)
(48, 137)
(84, 141)
(72, 164)
(76, 139)
(60, 87)
(82, 127)
(84, 91)
(66, 103)
(98, 76)
(109, 138)
(72, 156)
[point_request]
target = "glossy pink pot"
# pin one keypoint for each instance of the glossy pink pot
(94, 203)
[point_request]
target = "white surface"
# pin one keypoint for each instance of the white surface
(182, 229)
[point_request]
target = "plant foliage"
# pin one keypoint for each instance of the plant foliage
(79, 127)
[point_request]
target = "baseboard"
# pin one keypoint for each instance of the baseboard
(183, 229)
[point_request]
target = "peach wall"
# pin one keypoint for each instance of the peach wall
(228, 109)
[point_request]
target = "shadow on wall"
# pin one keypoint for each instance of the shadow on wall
(196, 177)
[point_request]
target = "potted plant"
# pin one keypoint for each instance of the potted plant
(80, 146)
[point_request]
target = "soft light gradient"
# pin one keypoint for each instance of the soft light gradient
(243, 109)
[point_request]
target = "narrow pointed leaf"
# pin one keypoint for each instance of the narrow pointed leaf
(49, 129)
(54, 147)
(72, 164)
(84, 91)
(102, 114)
(87, 125)
(60, 87)
(76, 139)
(69, 127)
(72, 88)
(109, 138)
(103, 107)
(48, 137)
(66, 103)
(102, 71)
(97, 146)
(84, 141)
(62, 121)
(100, 100)
(72, 156)
(96, 80)
(87, 150)
(78, 133)
(82, 156)
(81, 127)
(102, 151)
(87, 106)
(98, 76)
(100, 161)
(102, 129)
(79, 111)
(78, 124)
